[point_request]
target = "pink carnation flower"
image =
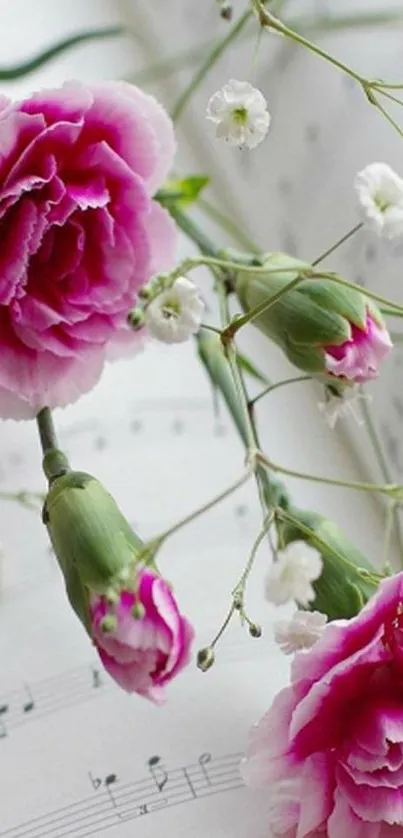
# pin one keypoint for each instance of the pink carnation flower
(143, 652)
(331, 746)
(80, 234)
(358, 358)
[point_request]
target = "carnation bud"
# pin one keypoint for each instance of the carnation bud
(226, 10)
(205, 658)
(94, 544)
(135, 318)
(255, 630)
(325, 328)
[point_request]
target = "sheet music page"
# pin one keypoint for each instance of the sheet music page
(78, 756)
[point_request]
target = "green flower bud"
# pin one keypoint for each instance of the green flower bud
(347, 580)
(94, 544)
(313, 316)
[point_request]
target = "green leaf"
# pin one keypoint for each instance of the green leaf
(212, 356)
(250, 369)
(183, 191)
(19, 70)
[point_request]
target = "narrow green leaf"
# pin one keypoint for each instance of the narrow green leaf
(182, 191)
(213, 358)
(17, 71)
(250, 369)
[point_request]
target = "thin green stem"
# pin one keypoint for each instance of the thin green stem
(375, 440)
(385, 489)
(389, 96)
(334, 247)
(389, 523)
(239, 589)
(158, 540)
(257, 270)
(239, 386)
(267, 19)
(193, 232)
(387, 115)
(47, 431)
(285, 515)
(270, 389)
(222, 628)
(254, 313)
(383, 465)
(209, 62)
(30, 500)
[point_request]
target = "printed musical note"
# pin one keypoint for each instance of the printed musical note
(29, 704)
(131, 800)
(158, 773)
(204, 760)
(50, 696)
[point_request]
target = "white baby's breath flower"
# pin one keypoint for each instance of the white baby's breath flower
(240, 113)
(176, 313)
(290, 576)
(380, 195)
(301, 632)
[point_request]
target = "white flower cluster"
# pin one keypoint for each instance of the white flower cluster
(175, 314)
(240, 114)
(291, 575)
(380, 195)
(301, 632)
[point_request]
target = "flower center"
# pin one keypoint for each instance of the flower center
(382, 203)
(240, 115)
(171, 309)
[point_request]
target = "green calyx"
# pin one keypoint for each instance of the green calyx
(314, 314)
(94, 544)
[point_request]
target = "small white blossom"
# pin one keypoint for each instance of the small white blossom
(380, 195)
(176, 313)
(338, 407)
(301, 632)
(290, 576)
(240, 113)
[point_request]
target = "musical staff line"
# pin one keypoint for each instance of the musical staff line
(38, 700)
(113, 802)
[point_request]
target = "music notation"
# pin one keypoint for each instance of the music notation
(114, 802)
(51, 695)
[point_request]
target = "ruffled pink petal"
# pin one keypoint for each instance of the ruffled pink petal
(344, 822)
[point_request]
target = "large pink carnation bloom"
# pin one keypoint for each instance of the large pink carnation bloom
(331, 745)
(80, 234)
(143, 653)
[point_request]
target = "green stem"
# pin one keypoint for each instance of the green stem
(228, 333)
(243, 401)
(211, 59)
(296, 380)
(47, 432)
(329, 481)
(383, 465)
(387, 115)
(156, 542)
(285, 515)
(267, 19)
(193, 232)
(29, 500)
(334, 247)
(239, 589)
